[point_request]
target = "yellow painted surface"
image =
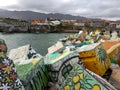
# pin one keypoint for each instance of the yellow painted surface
(34, 62)
(75, 79)
(81, 76)
(87, 54)
(77, 86)
(91, 57)
(96, 87)
(90, 52)
(67, 87)
(95, 65)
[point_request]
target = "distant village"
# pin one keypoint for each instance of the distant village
(51, 25)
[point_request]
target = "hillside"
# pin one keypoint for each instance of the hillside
(28, 15)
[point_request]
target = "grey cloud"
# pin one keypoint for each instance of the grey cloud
(88, 8)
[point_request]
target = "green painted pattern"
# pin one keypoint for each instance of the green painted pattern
(80, 79)
(34, 77)
(102, 54)
(61, 68)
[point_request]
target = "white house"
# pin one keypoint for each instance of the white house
(79, 24)
(55, 23)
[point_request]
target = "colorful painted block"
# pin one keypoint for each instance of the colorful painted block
(30, 68)
(113, 51)
(109, 43)
(80, 79)
(96, 58)
(90, 50)
(60, 66)
(33, 76)
(23, 53)
(9, 79)
(97, 65)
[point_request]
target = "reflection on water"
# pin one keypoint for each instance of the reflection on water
(40, 42)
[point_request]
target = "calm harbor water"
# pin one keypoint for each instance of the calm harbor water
(40, 42)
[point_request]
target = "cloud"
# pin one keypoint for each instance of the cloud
(87, 8)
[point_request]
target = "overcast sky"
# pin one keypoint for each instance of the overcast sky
(106, 9)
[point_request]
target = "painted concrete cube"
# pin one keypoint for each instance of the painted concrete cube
(80, 79)
(60, 66)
